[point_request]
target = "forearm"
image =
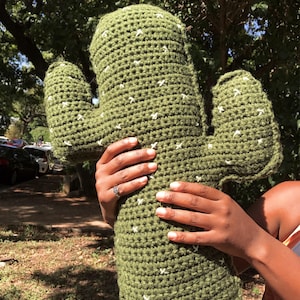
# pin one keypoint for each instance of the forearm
(279, 265)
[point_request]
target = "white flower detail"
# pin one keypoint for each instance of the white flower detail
(67, 143)
(104, 33)
(146, 297)
(135, 229)
(161, 82)
(131, 100)
(65, 103)
(198, 178)
(196, 248)
(62, 64)
(140, 201)
(209, 146)
(80, 117)
(260, 111)
(51, 130)
(184, 96)
(159, 16)
(100, 142)
(49, 98)
(260, 141)
(237, 132)
(154, 116)
(102, 115)
(154, 145)
(222, 260)
(179, 146)
(139, 32)
(119, 126)
(245, 78)
(165, 48)
(121, 86)
(236, 92)
(221, 109)
(179, 26)
(136, 62)
(106, 69)
(163, 271)
(228, 162)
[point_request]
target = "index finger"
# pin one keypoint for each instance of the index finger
(197, 189)
(116, 148)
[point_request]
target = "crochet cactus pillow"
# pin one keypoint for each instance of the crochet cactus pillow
(148, 89)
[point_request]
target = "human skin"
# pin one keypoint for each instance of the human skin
(126, 169)
(231, 230)
(254, 237)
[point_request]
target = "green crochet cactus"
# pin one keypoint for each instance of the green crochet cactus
(148, 89)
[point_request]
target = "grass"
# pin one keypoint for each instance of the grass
(38, 264)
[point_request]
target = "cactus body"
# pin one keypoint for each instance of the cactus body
(148, 89)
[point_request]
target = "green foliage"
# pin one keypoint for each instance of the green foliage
(259, 36)
(14, 131)
(40, 131)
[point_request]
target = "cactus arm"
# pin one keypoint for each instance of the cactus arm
(68, 108)
(246, 134)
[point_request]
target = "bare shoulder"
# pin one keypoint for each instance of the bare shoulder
(283, 201)
(285, 190)
(278, 209)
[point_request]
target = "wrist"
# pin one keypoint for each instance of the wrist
(108, 215)
(110, 221)
(259, 253)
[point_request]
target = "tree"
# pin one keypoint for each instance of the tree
(45, 30)
(259, 36)
(28, 109)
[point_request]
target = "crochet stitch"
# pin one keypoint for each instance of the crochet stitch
(148, 89)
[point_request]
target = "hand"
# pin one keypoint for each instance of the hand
(125, 168)
(224, 224)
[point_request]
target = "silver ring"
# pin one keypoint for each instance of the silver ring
(116, 191)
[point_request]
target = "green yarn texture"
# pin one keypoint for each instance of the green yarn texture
(148, 88)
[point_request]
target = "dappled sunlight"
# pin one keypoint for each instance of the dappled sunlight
(53, 265)
(82, 282)
(39, 202)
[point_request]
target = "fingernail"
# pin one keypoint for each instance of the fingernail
(132, 140)
(143, 179)
(172, 235)
(150, 151)
(160, 211)
(152, 166)
(175, 185)
(160, 195)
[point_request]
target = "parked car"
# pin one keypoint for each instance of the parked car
(3, 140)
(58, 166)
(20, 143)
(43, 156)
(16, 164)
